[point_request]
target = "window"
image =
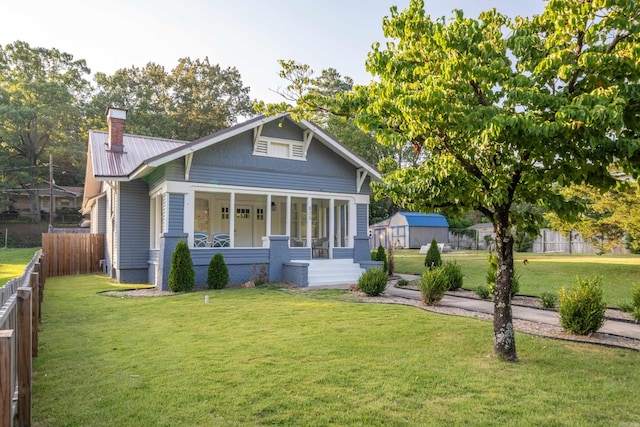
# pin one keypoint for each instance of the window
(260, 214)
(243, 213)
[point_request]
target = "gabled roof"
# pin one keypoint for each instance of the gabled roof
(137, 150)
(417, 219)
(207, 141)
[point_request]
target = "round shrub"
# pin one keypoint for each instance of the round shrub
(182, 277)
(218, 273)
(582, 307)
(432, 286)
(433, 259)
(452, 274)
(482, 291)
(373, 282)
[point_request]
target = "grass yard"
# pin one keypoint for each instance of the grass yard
(543, 273)
(284, 357)
(13, 262)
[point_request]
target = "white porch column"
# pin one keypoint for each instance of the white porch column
(332, 226)
(309, 219)
(353, 222)
(288, 219)
(232, 220)
(268, 217)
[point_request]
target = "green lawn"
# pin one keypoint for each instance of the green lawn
(270, 356)
(13, 262)
(543, 273)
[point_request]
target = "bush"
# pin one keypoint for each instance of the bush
(381, 255)
(218, 273)
(374, 255)
(432, 286)
(633, 308)
(433, 258)
(635, 296)
(548, 299)
(390, 264)
(482, 291)
(452, 275)
(582, 307)
(402, 282)
(182, 277)
(373, 282)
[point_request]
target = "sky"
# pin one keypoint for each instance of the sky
(251, 35)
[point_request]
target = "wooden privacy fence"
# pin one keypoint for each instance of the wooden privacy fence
(20, 301)
(72, 253)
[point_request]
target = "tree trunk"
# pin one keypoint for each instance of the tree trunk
(504, 341)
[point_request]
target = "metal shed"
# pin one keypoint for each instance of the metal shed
(409, 230)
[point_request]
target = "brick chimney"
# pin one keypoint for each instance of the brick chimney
(116, 118)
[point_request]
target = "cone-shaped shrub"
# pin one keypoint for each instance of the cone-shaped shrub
(433, 259)
(218, 273)
(182, 277)
(382, 256)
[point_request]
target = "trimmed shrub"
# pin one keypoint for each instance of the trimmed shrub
(432, 286)
(381, 255)
(548, 299)
(582, 307)
(182, 276)
(374, 255)
(452, 275)
(402, 282)
(635, 296)
(218, 273)
(373, 282)
(433, 258)
(482, 291)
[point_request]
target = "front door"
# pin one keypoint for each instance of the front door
(243, 233)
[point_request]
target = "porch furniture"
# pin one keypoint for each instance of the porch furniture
(220, 240)
(200, 239)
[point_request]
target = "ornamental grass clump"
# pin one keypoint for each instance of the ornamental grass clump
(582, 307)
(373, 282)
(452, 275)
(182, 276)
(218, 273)
(432, 286)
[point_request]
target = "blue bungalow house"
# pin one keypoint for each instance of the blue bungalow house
(268, 193)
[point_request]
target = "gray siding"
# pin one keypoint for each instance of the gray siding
(231, 162)
(175, 209)
(134, 225)
(419, 236)
(362, 212)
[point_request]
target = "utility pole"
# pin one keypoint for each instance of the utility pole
(51, 204)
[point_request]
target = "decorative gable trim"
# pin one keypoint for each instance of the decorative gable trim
(361, 176)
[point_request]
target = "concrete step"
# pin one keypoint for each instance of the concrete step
(333, 272)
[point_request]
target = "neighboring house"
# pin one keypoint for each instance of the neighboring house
(269, 192)
(64, 198)
(409, 230)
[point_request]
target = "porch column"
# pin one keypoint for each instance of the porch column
(332, 226)
(232, 220)
(288, 219)
(268, 217)
(309, 219)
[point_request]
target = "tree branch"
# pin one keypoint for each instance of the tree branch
(479, 94)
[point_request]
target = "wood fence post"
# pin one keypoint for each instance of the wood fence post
(35, 309)
(6, 393)
(24, 356)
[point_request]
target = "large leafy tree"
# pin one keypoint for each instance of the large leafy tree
(41, 98)
(504, 111)
(192, 100)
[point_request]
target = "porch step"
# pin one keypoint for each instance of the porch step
(324, 272)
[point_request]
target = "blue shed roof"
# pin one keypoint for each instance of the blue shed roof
(416, 219)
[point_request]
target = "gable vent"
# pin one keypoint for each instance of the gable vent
(297, 151)
(260, 148)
